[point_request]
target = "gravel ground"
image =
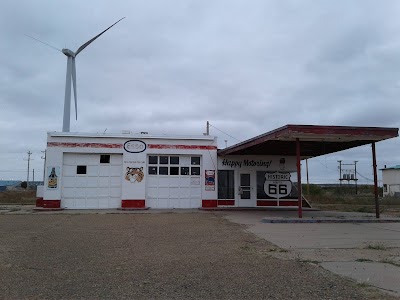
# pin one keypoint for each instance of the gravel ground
(153, 256)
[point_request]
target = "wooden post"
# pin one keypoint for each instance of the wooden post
(300, 208)
(375, 181)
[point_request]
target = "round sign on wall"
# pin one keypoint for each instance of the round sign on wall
(134, 146)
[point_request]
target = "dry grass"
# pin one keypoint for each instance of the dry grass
(25, 197)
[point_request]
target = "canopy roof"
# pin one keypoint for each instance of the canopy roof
(314, 140)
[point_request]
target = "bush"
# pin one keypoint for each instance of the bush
(24, 184)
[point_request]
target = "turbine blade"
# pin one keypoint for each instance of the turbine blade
(43, 42)
(74, 84)
(91, 40)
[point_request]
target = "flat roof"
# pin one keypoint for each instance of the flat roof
(131, 135)
(315, 140)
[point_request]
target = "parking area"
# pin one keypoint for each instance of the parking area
(153, 255)
(366, 252)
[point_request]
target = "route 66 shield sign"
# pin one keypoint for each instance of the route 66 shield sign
(277, 184)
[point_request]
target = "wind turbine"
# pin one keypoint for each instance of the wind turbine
(71, 76)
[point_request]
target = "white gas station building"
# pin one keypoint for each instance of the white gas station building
(140, 171)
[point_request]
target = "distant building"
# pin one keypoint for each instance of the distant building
(391, 181)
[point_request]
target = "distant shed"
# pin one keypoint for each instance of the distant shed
(391, 181)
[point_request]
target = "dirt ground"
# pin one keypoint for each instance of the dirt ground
(153, 256)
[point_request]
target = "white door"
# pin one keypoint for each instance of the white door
(91, 181)
(173, 181)
(245, 195)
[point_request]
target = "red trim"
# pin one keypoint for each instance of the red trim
(51, 204)
(275, 202)
(133, 203)
(288, 203)
(209, 203)
(184, 147)
(267, 203)
(83, 145)
(39, 202)
(226, 202)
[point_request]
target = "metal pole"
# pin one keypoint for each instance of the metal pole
(27, 176)
(208, 128)
(355, 174)
(308, 183)
(340, 172)
(299, 202)
(375, 181)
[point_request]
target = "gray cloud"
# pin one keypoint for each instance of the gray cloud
(247, 67)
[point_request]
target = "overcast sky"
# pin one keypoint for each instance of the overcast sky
(248, 67)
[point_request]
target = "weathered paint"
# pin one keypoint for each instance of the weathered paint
(133, 203)
(183, 147)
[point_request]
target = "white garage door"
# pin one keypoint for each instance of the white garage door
(91, 181)
(173, 181)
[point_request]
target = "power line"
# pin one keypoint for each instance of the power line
(224, 132)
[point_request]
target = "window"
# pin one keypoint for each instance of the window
(174, 160)
(153, 160)
(174, 171)
(184, 170)
(195, 160)
(226, 184)
(163, 160)
(195, 171)
(174, 165)
(104, 158)
(163, 170)
(153, 170)
(80, 169)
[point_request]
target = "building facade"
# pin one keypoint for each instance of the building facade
(102, 171)
(391, 181)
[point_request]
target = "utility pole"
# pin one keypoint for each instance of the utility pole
(340, 172)
(308, 183)
(27, 177)
(33, 171)
(208, 128)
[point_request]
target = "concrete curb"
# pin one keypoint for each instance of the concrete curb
(270, 220)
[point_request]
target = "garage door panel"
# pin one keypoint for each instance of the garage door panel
(69, 170)
(115, 192)
(174, 192)
(69, 182)
(163, 181)
(69, 159)
(163, 191)
(92, 203)
(175, 182)
(69, 192)
(92, 182)
(116, 160)
(184, 192)
(152, 181)
(103, 181)
(115, 170)
(115, 181)
(81, 182)
(92, 170)
(103, 192)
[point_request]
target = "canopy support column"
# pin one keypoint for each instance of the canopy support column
(375, 181)
(300, 208)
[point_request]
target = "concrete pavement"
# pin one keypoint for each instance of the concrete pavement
(367, 252)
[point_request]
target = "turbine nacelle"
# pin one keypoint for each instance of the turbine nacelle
(68, 52)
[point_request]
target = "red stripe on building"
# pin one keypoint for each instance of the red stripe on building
(83, 145)
(181, 147)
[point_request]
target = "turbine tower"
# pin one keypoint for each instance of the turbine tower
(71, 76)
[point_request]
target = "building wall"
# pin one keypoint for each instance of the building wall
(391, 181)
(273, 180)
(135, 150)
